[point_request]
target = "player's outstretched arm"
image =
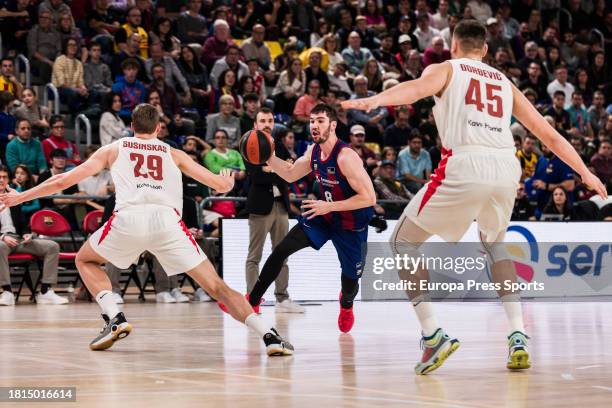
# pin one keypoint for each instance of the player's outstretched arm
(527, 114)
(59, 182)
(431, 82)
(291, 172)
(222, 182)
(352, 167)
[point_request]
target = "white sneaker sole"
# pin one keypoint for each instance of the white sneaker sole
(104, 343)
(275, 350)
(50, 302)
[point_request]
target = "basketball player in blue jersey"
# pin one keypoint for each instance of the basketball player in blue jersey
(342, 213)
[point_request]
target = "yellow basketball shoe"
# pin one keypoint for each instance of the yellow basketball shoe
(436, 349)
(518, 355)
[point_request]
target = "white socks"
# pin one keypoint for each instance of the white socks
(514, 312)
(107, 303)
(424, 311)
(257, 324)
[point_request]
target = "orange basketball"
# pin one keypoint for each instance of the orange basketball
(256, 146)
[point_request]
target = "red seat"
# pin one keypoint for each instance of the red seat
(50, 223)
(92, 221)
(67, 256)
(21, 258)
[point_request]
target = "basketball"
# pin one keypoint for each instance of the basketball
(256, 146)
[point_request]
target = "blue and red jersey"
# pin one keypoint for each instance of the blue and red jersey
(334, 186)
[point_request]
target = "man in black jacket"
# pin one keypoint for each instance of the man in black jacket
(268, 204)
(15, 238)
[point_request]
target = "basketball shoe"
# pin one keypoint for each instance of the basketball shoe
(275, 345)
(255, 308)
(518, 356)
(436, 348)
(346, 318)
(113, 330)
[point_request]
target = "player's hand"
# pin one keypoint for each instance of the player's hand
(364, 104)
(595, 183)
(9, 199)
(227, 175)
(316, 207)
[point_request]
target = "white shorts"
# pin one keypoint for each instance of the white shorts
(471, 184)
(154, 228)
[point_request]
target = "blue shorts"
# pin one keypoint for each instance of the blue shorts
(351, 246)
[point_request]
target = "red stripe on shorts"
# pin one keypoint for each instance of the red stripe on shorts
(107, 227)
(186, 231)
(436, 179)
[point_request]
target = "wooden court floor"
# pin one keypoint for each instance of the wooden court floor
(191, 355)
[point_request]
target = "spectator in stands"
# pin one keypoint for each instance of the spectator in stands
(304, 20)
(56, 141)
(195, 145)
(374, 16)
(523, 210)
(396, 134)
(579, 143)
(560, 84)
(374, 74)
(583, 84)
(255, 47)
(65, 206)
(558, 207)
(96, 74)
(306, 102)
(98, 185)
(230, 61)
(424, 33)
(67, 29)
(509, 25)
(374, 120)
(368, 36)
(413, 66)
(535, 80)
(24, 180)
(529, 56)
(436, 53)
(388, 188)
(197, 79)
(222, 157)
(162, 33)
(44, 45)
(251, 106)
(440, 19)
(17, 21)
(16, 238)
(102, 23)
(558, 113)
(579, 117)
(7, 121)
(8, 81)
(414, 164)
(354, 55)
(216, 46)
(68, 77)
(111, 126)
(174, 78)
(26, 150)
(330, 45)
(338, 79)
(133, 25)
(496, 39)
(480, 10)
(192, 26)
(314, 71)
(550, 173)
(600, 72)
(228, 85)
(447, 33)
(56, 8)
(602, 161)
(131, 51)
(132, 91)
(357, 138)
(36, 114)
(290, 86)
(256, 75)
(597, 112)
(167, 288)
(224, 120)
(385, 55)
(553, 60)
(527, 156)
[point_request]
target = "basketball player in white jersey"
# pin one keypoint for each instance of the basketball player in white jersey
(477, 177)
(149, 195)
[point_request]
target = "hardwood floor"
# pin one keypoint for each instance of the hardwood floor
(191, 355)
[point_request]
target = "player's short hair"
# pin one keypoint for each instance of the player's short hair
(145, 118)
(325, 108)
(470, 34)
(264, 109)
